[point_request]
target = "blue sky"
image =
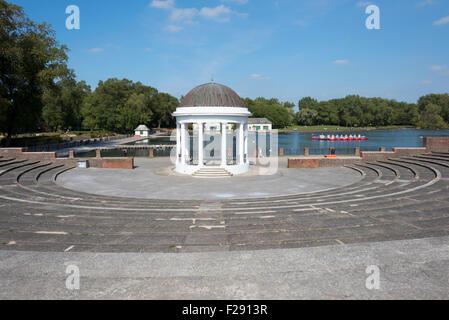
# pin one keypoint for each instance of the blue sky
(286, 49)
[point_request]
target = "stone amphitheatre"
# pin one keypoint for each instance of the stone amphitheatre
(393, 198)
(308, 230)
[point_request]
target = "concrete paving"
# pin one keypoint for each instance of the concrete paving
(409, 269)
(155, 179)
(315, 245)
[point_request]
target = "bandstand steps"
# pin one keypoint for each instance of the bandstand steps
(212, 173)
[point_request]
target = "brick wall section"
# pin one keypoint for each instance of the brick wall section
(375, 156)
(436, 144)
(118, 163)
(397, 152)
(19, 153)
(11, 152)
(321, 162)
(104, 163)
(409, 151)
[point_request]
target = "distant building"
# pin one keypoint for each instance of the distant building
(259, 124)
(142, 131)
(212, 126)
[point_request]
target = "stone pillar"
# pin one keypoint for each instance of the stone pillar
(246, 143)
(200, 144)
(71, 154)
(224, 133)
(151, 153)
(357, 152)
(183, 143)
(306, 152)
(178, 142)
(187, 144)
(98, 152)
(241, 147)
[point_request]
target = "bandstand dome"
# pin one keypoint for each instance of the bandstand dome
(212, 105)
(212, 95)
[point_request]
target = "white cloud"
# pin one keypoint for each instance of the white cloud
(426, 3)
(236, 1)
(173, 29)
(187, 14)
(96, 50)
(438, 68)
(441, 21)
(341, 62)
(442, 70)
(257, 76)
(363, 4)
(220, 13)
(163, 4)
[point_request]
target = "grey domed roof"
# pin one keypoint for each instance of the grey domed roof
(212, 95)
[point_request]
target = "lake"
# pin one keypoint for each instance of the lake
(294, 143)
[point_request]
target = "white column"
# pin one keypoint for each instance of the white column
(246, 142)
(187, 144)
(178, 142)
(183, 143)
(241, 138)
(224, 155)
(200, 144)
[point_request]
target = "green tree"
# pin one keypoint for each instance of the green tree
(62, 104)
(306, 117)
(430, 118)
(272, 109)
(163, 109)
(30, 61)
(441, 100)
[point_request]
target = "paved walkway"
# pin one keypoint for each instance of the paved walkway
(409, 269)
(155, 179)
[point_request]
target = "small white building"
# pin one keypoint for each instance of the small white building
(142, 131)
(212, 127)
(259, 124)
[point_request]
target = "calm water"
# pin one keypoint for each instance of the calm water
(295, 142)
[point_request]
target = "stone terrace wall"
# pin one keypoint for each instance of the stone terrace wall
(308, 162)
(397, 152)
(436, 144)
(103, 163)
(19, 153)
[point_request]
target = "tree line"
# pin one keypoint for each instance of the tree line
(38, 92)
(431, 111)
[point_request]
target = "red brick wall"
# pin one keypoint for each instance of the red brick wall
(320, 162)
(118, 163)
(11, 152)
(397, 152)
(436, 144)
(20, 154)
(105, 163)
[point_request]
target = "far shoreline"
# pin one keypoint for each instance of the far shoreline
(347, 129)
